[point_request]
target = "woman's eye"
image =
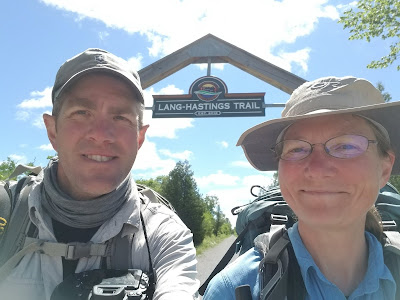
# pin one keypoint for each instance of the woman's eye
(345, 147)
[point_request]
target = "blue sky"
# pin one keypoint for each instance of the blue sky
(302, 37)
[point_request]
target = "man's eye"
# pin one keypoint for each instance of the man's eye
(122, 118)
(81, 112)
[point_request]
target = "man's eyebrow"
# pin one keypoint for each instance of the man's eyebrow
(125, 110)
(80, 102)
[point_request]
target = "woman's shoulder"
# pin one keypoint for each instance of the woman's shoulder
(243, 270)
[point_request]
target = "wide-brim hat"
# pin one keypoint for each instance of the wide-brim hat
(323, 97)
(95, 60)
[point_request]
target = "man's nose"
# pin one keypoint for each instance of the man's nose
(102, 130)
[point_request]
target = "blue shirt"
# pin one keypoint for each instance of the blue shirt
(378, 283)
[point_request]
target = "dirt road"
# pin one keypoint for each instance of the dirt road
(210, 258)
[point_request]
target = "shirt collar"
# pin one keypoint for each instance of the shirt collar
(377, 270)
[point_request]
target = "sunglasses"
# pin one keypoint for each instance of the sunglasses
(344, 146)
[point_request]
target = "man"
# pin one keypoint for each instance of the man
(87, 194)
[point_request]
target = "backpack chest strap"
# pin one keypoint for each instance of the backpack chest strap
(70, 251)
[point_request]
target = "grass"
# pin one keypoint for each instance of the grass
(210, 241)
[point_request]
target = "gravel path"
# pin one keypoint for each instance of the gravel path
(211, 257)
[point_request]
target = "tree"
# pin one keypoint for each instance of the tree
(394, 179)
(386, 96)
(155, 184)
(6, 168)
(375, 18)
(181, 190)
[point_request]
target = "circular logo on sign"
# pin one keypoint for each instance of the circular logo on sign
(208, 91)
(208, 88)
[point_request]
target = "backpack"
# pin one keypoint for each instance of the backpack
(270, 213)
(18, 235)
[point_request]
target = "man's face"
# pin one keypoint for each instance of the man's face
(96, 136)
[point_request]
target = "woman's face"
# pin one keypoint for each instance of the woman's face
(325, 191)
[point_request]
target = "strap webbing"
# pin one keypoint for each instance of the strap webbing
(69, 251)
(16, 232)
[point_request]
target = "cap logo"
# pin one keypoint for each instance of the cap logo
(325, 84)
(100, 58)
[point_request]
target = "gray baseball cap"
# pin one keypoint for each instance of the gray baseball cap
(322, 97)
(95, 60)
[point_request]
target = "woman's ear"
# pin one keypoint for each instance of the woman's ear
(387, 166)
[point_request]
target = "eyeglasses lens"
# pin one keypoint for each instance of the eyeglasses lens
(345, 146)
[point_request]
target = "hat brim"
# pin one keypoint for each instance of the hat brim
(257, 141)
(124, 76)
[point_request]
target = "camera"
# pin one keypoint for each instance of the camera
(104, 284)
(132, 286)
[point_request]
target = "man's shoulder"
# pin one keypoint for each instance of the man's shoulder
(160, 213)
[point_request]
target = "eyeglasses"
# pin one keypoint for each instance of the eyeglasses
(344, 146)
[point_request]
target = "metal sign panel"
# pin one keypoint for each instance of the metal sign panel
(208, 97)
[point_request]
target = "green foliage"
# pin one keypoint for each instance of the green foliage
(155, 184)
(374, 19)
(209, 242)
(395, 180)
(208, 223)
(181, 190)
(275, 181)
(386, 96)
(6, 168)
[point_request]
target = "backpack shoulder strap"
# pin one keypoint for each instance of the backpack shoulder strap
(391, 255)
(5, 207)
(19, 221)
(280, 276)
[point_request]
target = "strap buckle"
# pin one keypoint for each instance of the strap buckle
(389, 225)
(77, 250)
(279, 219)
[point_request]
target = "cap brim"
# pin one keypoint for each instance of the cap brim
(257, 141)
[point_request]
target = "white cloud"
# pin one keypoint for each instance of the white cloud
(40, 99)
(103, 35)
(259, 26)
(47, 147)
(22, 115)
(160, 127)
(242, 164)
(149, 164)
(136, 61)
(38, 122)
(223, 144)
(239, 194)
(185, 155)
(218, 179)
(19, 159)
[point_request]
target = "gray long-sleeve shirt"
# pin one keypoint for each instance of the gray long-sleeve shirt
(171, 249)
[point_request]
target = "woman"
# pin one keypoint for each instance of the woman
(334, 148)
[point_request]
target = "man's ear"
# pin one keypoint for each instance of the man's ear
(387, 165)
(50, 123)
(142, 135)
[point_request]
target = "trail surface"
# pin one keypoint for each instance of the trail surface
(211, 257)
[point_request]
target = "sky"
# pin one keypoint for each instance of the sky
(302, 37)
